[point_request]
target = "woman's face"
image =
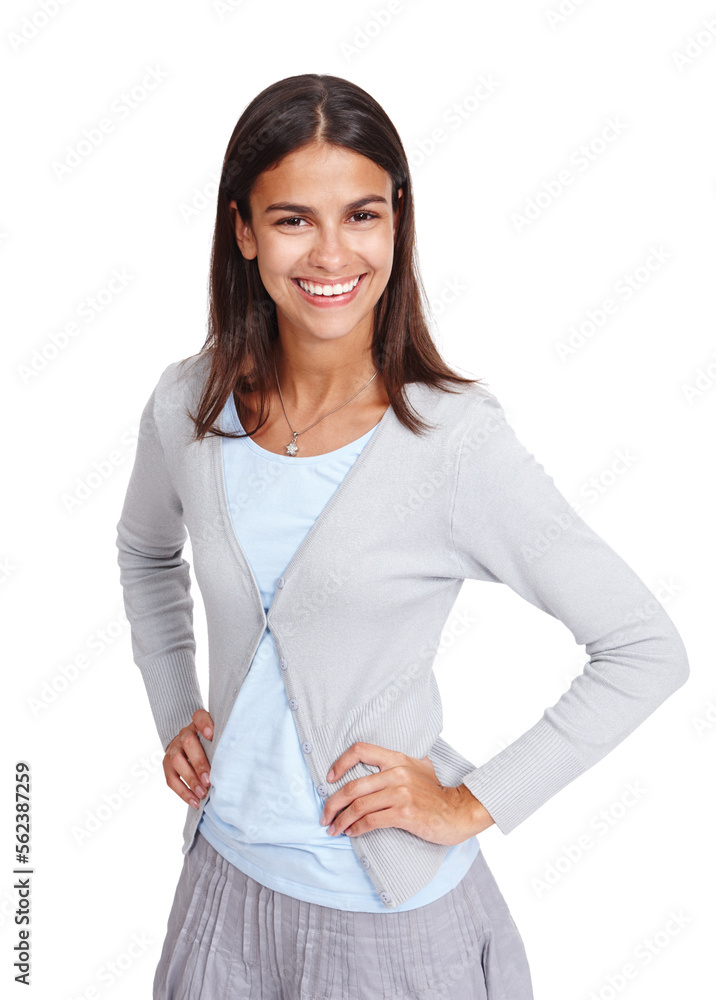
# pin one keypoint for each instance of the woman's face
(323, 215)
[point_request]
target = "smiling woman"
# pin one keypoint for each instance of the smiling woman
(332, 255)
(330, 842)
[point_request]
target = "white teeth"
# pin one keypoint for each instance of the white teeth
(312, 289)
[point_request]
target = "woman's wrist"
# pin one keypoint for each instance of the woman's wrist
(477, 818)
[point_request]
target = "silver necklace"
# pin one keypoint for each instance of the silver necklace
(292, 447)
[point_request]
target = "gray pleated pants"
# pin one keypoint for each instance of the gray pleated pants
(231, 938)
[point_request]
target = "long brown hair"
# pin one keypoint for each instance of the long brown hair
(286, 116)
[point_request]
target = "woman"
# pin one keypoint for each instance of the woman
(338, 483)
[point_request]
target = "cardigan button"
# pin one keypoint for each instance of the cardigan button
(365, 862)
(385, 897)
(280, 582)
(293, 703)
(307, 747)
(283, 664)
(322, 791)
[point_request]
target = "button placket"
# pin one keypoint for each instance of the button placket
(306, 746)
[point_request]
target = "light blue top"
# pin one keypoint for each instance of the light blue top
(262, 811)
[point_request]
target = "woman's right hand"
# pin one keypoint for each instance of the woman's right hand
(185, 764)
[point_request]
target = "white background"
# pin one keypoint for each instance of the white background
(524, 289)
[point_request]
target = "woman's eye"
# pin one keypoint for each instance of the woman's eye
(297, 218)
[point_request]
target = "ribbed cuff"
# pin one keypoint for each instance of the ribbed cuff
(173, 689)
(523, 776)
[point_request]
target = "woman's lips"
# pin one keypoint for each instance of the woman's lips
(326, 301)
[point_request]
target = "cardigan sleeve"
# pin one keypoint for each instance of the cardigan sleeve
(156, 584)
(511, 525)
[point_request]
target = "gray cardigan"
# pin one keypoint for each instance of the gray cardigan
(358, 614)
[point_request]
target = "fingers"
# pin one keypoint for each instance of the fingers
(186, 767)
(204, 723)
(178, 786)
(355, 791)
(196, 757)
(367, 813)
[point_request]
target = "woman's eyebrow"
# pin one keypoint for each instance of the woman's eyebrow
(353, 206)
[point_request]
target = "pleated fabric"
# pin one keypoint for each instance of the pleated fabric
(231, 938)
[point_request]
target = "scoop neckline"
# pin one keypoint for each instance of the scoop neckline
(293, 459)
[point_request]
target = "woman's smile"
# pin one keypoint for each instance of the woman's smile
(325, 295)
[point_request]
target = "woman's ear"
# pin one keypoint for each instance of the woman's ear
(244, 236)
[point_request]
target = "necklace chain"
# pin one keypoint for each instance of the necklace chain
(292, 447)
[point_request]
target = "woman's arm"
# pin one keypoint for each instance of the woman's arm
(512, 525)
(156, 584)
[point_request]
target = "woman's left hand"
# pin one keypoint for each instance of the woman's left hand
(404, 793)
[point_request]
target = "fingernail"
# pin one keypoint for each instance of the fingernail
(205, 778)
(200, 791)
(208, 731)
(194, 803)
(330, 775)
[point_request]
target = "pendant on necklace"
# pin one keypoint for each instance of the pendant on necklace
(292, 447)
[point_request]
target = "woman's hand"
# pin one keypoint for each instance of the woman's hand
(185, 759)
(404, 793)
